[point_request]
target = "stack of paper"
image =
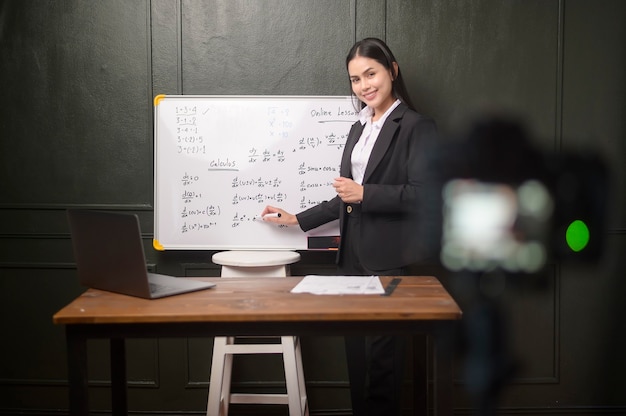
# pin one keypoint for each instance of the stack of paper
(340, 285)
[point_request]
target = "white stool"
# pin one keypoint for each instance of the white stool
(256, 264)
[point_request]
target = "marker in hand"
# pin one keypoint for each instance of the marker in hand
(278, 216)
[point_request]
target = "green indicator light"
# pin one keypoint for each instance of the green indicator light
(577, 235)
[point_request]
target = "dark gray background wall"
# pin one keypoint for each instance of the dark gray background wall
(77, 80)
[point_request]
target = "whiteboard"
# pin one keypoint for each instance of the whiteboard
(219, 160)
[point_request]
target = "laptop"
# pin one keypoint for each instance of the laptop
(109, 256)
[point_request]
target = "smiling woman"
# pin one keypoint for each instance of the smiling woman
(379, 195)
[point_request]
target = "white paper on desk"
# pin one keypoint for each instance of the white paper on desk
(340, 285)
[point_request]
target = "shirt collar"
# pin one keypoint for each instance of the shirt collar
(367, 112)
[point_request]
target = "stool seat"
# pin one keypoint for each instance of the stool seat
(239, 258)
(242, 263)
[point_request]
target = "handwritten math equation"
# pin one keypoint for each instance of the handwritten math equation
(332, 139)
(189, 141)
(257, 182)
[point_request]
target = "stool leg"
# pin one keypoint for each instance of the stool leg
(291, 376)
(301, 384)
(217, 377)
(227, 378)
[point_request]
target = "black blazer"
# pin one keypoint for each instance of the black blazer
(395, 193)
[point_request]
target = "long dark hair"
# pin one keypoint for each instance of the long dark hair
(378, 50)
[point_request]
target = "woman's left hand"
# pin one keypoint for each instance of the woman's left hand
(349, 191)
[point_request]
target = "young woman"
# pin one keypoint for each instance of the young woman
(379, 201)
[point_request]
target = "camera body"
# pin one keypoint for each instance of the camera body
(504, 204)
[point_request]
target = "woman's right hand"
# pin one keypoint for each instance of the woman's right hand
(278, 216)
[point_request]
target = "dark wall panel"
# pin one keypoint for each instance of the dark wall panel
(166, 49)
(594, 114)
(462, 58)
(76, 122)
(594, 61)
(277, 47)
(42, 292)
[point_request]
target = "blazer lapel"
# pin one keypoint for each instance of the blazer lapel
(346, 161)
(384, 140)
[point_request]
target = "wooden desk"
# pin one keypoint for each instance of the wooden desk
(254, 306)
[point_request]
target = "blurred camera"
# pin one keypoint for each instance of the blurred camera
(504, 204)
(490, 225)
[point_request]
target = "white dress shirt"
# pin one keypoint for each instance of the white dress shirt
(363, 148)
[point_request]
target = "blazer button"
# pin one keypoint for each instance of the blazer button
(349, 209)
